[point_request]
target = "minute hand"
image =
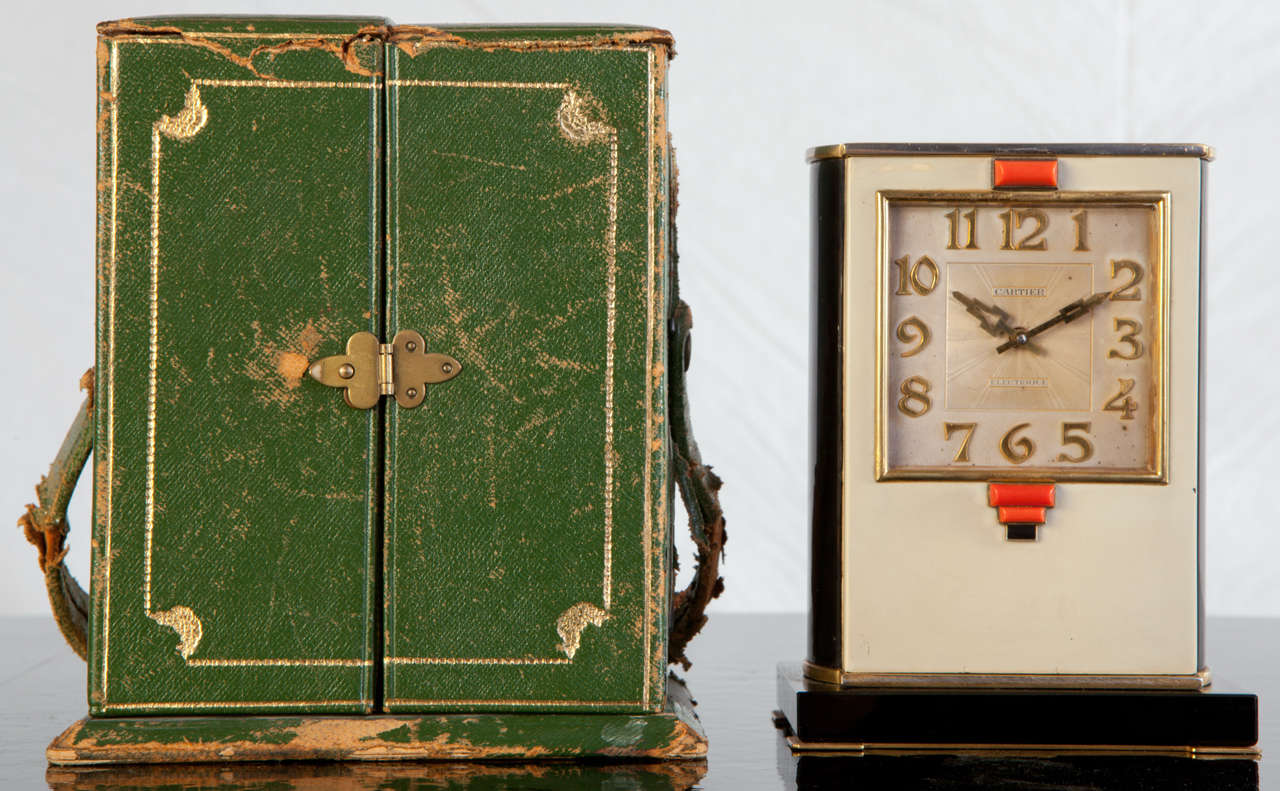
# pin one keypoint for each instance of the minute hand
(1064, 315)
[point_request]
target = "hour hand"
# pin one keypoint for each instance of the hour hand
(981, 311)
(1001, 327)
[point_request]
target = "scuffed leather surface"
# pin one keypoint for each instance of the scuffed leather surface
(268, 254)
(270, 247)
(496, 485)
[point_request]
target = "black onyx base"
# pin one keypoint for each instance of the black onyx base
(818, 713)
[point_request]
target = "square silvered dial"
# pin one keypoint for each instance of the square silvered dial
(1021, 336)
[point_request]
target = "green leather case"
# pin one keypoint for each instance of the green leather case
(268, 188)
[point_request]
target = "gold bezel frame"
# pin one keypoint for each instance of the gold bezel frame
(1157, 470)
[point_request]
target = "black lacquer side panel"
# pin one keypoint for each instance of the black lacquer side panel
(826, 412)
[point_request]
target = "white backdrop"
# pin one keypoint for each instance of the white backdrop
(754, 84)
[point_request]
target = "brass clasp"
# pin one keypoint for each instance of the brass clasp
(371, 369)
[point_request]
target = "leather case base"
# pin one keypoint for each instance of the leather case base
(672, 734)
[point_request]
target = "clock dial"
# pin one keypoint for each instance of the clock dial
(1022, 337)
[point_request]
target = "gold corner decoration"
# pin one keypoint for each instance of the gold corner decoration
(581, 118)
(186, 623)
(189, 120)
(571, 623)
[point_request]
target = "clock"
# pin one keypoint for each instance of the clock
(1006, 438)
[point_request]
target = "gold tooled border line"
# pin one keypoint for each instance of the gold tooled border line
(153, 290)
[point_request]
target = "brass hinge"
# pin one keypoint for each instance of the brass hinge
(371, 369)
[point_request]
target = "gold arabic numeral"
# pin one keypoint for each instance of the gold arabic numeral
(1128, 329)
(913, 330)
(1006, 218)
(1128, 406)
(1129, 292)
(1029, 241)
(917, 283)
(904, 269)
(962, 455)
(1017, 450)
(1081, 219)
(1014, 219)
(953, 222)
(915, 399)
(909, 278)
(1080, 440)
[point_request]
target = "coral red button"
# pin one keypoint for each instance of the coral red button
(1025, 173)
(1020, 515)
(1039, 494)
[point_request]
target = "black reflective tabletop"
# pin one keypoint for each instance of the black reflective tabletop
(734, 680)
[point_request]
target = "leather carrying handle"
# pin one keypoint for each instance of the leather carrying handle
(699, 486)
(699, 490)
(45, 525)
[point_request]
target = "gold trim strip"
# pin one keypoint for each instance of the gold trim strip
(538, 703)
(111, 366)
(139, 36)
(1020, 750)
(880, 450)
(1163, 243)
(646, 539)
(1052, 474)
(611, 320)
(1012, 150)
(533, 45)
(261, 704)
(279, 662)
(303, 35)
(542, 86)
(369, 85)
(827, 675)
(153, 329)
(1200, 680)
(517, 44)
(435, 660)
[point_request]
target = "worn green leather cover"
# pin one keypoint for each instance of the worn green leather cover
(266, 189)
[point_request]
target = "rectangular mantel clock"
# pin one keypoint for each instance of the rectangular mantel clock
(380, 420)
(1007, 451)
